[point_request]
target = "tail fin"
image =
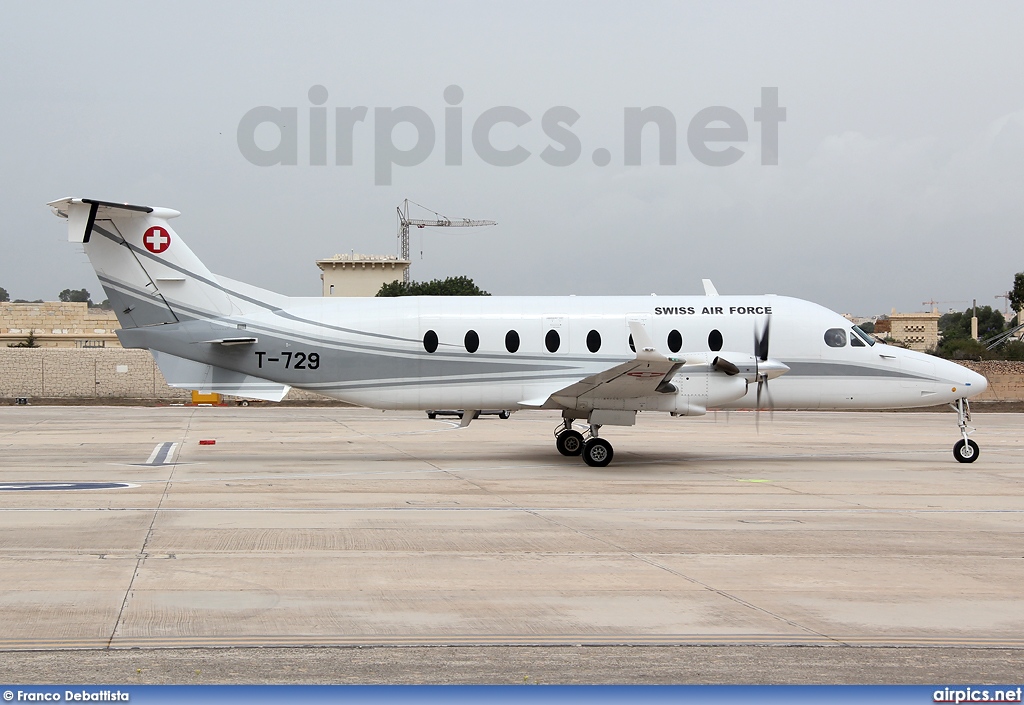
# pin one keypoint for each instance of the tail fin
(148, 273)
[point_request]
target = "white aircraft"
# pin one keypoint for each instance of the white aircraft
(598, 360)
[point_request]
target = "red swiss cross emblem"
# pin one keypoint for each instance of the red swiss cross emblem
(156, 239)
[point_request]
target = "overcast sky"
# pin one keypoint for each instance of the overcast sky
(900, 173)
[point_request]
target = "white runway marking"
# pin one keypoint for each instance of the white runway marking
(161, 455)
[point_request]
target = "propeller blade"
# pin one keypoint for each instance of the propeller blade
(761, 341)
(761, 355)
(757, 408)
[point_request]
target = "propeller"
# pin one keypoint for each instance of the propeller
(760, 358)
(758, 368)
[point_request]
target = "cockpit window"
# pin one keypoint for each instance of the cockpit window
(835, 338)
(858, 333)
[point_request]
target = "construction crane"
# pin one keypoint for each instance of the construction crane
(1006, 304)
(932, 302)
(439, 221)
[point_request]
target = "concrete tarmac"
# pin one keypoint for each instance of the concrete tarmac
(828, 547)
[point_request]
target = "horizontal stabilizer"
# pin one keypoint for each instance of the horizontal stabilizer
(188, 374)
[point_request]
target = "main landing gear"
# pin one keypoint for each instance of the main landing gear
(965, 450)
(596, 452)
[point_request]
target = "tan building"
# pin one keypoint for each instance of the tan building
(918, 331)
(359, 275)
(56, 324)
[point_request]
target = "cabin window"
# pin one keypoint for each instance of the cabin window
(472, 341)
(715, 340)
(552, 340)
(632, 345)
(675, 341)
(835, 338)
(512, 341)
(858, 332)
(430, 341)
(593, 341)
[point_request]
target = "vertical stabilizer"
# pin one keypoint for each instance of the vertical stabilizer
(147, 271)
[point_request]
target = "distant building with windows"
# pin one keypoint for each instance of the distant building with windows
(359, 275)
(918, 331)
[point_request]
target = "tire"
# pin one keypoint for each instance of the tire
(504, 414)
(597, 452)
(966, 452)
(244, 402)
(569, 442)
(431, 415)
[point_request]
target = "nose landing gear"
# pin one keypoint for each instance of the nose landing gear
(965, 450)
(596, 452)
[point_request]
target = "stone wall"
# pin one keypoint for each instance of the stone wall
(67, 372)
(1005, 379)
(110, 373)
(57, 324)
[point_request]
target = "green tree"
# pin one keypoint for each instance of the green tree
(1011, 350)
(867, 326)
(4, 296)
(1017, 293)
(962, 349)
(452, 286)
(80, 295)
(958, 325)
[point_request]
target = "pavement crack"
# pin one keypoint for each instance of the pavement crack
(143, 552)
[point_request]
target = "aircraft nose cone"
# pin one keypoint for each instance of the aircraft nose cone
(963, 382)
(978, 383)
(968, 383)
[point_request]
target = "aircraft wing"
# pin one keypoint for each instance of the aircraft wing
(640, 377)
(636, 378)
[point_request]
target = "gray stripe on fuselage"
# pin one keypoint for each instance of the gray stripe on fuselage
(848, 369)
(337, 365)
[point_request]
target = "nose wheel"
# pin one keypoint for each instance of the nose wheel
(965, 450)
